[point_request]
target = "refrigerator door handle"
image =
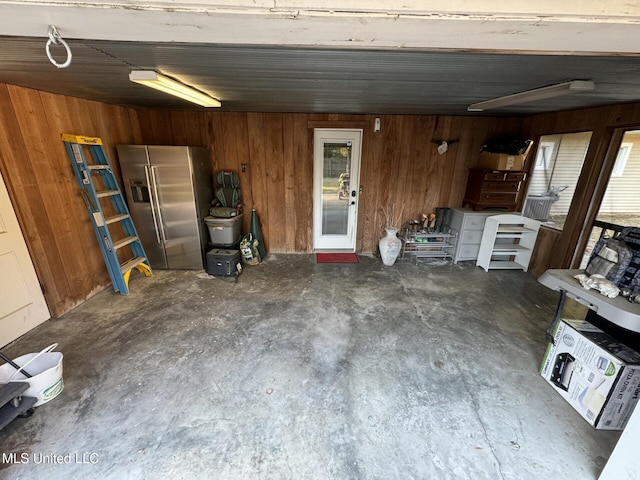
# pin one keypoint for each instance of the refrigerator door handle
(158, 209)
(153, 199)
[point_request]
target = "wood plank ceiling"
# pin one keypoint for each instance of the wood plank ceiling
(318, 80)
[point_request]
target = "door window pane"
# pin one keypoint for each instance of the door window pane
(335, 188)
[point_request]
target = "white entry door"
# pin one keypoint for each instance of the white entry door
(22, 305)
(336, 180)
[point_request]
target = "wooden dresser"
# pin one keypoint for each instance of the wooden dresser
(496, 189)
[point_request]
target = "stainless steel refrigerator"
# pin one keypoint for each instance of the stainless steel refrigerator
(169, 192)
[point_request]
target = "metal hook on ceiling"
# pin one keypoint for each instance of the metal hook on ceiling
(55, 38)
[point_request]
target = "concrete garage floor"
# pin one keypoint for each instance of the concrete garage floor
(307, 371)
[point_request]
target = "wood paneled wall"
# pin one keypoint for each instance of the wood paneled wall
(400, 165)
(43, 189)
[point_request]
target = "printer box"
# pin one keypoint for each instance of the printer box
(595, 373)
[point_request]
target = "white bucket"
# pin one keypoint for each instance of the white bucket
(46, 369)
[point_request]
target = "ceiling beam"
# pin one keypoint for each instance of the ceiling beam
(600, 27)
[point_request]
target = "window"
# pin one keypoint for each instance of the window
(621, 160)
(621, 201)
(543, 158)
(555, 176)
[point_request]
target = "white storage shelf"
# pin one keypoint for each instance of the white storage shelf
(507, 242)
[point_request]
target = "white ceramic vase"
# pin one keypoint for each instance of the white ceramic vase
(390, 246)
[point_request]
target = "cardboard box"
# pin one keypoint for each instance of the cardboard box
(502, 161)
(596, 374)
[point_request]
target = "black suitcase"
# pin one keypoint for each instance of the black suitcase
(223, 263)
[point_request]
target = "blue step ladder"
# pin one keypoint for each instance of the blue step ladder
(98, 184)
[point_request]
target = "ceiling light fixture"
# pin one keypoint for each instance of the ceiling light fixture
(168, 85)
(558, 90)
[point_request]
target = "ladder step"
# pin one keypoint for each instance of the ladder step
(107, 193)
(98, 167)
(124, 241)
(131, 264)
(116, 218)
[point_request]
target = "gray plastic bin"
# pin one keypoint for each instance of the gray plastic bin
(224, 232)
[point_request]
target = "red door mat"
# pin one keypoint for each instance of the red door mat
(336, 258)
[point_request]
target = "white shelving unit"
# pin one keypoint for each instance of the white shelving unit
(507, 242)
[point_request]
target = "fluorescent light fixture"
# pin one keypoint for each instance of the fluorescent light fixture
(168, 85)
(558, 90)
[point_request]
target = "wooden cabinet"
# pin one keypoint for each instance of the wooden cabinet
(468, 225)
(493, 189)
(507, 242)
